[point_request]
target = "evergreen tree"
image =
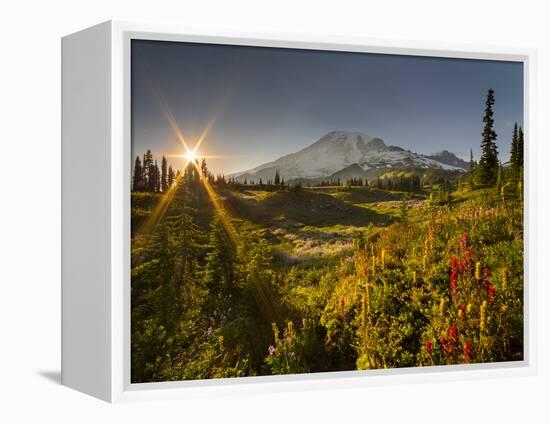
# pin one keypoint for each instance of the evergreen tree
(514, 162)
(488, 163)
(204, 169)
(164, 175)
(520, 161)
(277, 179)
(167, 294)
(137, 184)
(221, 276)
(171, 176)
(148, 180)
(156, 179)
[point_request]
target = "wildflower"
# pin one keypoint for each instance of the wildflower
(504, 284)
(275, 331)
(478, 271)
(482, 313)
(467, 351)
(383, 258)
(441, 307)
(454, 262)
(414, 277)
(429, 347)
(445, 345)
(469, 308)
(271, 350)
(454, 281)
(453, 332)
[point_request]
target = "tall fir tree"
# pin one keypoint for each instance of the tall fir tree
(171, 176)
(277, 179)
(148, 170)
(221, 276)
(164, 175)
(204, 168)
(137, 183)
(514, 159)
(156, 178)
(488, 163)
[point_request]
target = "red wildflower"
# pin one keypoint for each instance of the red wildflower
(445, 345)
(453, 332)
(462, 308)
(454, 282)
(467, 351)
(454, 262)
(429, 347)
(491, 291)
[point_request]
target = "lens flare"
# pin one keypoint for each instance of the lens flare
(191, 155)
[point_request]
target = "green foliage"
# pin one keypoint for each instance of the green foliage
(212, 298)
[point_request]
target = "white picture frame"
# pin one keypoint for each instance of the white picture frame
(96, 227)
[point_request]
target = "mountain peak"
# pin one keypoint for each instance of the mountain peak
(357, 141)
(354, 151)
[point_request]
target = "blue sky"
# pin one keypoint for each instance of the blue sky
(271, 102)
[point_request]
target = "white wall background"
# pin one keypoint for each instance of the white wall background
(30, 207)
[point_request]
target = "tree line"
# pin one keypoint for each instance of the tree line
(148, 177)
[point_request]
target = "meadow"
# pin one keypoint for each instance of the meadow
(233, 280)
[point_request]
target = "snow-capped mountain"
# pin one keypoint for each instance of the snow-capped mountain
(339, 150)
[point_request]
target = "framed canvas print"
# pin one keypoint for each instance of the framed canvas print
(245, 213)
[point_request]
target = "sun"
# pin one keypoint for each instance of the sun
(191, 156)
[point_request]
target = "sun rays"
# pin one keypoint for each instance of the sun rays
(191, 157)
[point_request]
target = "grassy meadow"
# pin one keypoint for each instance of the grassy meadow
(233, 280)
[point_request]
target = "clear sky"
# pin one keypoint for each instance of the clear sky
(270, 102)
